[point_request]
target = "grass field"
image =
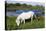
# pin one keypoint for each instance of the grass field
(11, 23)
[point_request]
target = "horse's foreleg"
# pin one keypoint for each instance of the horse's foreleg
(21, 20)
(24, 21)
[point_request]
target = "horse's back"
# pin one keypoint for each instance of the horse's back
(26, 15)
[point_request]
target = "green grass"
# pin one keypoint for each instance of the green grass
(11, 23)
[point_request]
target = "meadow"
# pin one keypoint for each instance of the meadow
(11, 23)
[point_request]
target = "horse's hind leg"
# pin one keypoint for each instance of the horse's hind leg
(31, 20)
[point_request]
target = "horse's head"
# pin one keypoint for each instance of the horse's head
(17, 22)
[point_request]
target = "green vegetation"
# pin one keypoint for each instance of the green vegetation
(11, 23)
(23, 6)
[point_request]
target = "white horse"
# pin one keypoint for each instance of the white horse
(23, 16)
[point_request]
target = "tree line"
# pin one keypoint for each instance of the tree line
(24, 6)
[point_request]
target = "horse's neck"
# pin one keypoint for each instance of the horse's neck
(19, 17)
